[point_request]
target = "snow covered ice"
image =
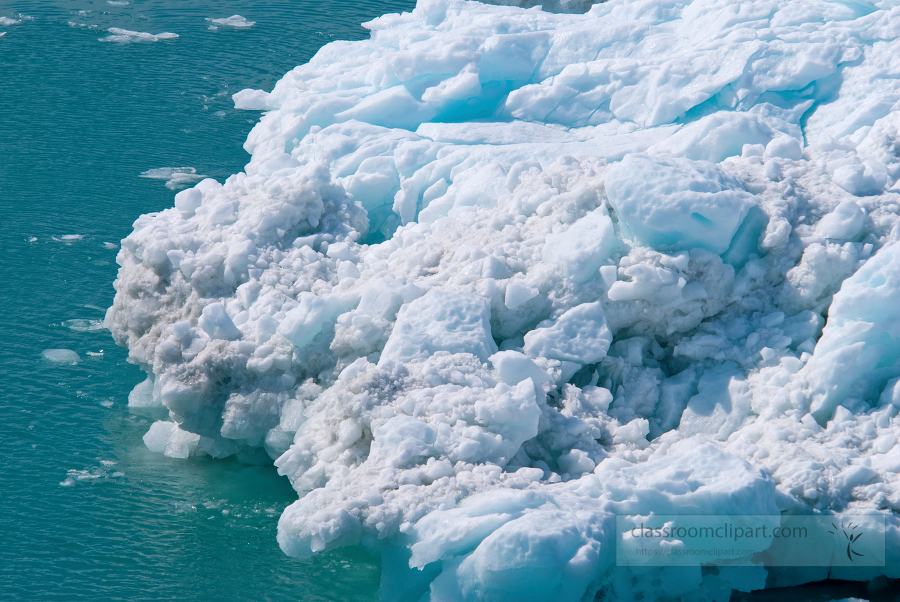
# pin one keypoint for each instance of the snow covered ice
(497, 275)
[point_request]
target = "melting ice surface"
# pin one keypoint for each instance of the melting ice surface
(497, 274)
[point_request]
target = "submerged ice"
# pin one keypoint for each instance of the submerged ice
(496, 275)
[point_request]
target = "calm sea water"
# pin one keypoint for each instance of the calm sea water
(86, 512)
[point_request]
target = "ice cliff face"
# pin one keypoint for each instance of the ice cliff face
(495, 275)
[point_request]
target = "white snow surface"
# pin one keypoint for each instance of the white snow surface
(497, 274)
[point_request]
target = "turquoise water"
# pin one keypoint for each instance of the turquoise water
(86, 512)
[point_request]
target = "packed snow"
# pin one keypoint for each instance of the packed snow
(497, 275)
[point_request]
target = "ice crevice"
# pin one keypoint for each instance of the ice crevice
(498, 274)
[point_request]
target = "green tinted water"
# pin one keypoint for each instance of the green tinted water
(86, 512)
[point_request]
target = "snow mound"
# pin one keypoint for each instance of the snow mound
(497, 275)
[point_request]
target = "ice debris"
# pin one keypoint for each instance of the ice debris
(60, 356)
(236, 21)
(495, 275)
(118, 34)
(175, 177)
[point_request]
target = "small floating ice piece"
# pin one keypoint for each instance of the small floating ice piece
(166, 438)
(5, 21)
(176, 177)
(60, 356)
(118, 2)
(236, 21)
(124, 35)
(82, 325)
(110, 246)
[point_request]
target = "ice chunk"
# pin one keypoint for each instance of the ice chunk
(861, 179)
(860, 346)
(580, 335)
(784, 147)
(142, 395)
(844, 223)
(581, 250)
(441, 320)
(677, 203)
(305, 322)
(514, 367)
(123, 35)
(236, 21)
(188, 201)
(158, 436)
(217, 323)
(166, 438)
(60, 356)
(518, 293)
(721, 406)
(891, 393)
(175, 177)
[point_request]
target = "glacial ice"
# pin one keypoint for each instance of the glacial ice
(498, 274)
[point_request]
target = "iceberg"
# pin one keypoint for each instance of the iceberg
(501, 273)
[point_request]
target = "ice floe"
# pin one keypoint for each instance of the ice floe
(235, 21)
(60, 356)
(118, 34)
(175, 177)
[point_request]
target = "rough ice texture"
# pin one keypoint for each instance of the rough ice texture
(497, 274)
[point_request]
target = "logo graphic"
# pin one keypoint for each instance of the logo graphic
(850, 535)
